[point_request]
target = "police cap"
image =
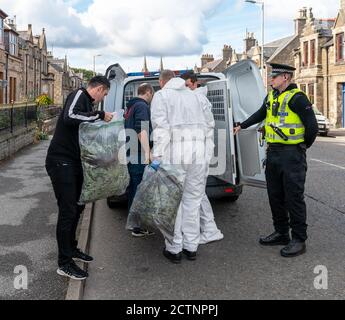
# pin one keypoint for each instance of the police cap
(278, 69)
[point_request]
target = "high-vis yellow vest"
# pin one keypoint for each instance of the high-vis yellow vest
(286, 120)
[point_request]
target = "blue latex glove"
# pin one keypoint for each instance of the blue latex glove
(155, 165)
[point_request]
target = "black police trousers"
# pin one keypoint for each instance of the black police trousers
(286, 169)
(67, 181)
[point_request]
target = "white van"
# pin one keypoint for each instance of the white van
(235, 95)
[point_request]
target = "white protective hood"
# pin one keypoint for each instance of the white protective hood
(176, 84)
(176, 108)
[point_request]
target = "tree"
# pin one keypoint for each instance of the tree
(87, 73)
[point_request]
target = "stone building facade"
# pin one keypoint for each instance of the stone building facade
(27, 70)
(3, 16)
(320, 63)
(278, 51)
(65, 79)
(309, 59)
(334, 83)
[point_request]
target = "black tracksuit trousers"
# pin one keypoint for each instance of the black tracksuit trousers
(67, 180)
(286, 169)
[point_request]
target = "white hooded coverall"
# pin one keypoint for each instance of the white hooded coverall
(178, 112)
(208, 227)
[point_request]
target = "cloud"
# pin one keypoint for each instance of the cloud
(62, 23)
(151, 27)
(288, 9)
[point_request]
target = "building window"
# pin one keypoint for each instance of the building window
(303, 88)
(13, 44)
(312, 52)
(1, 89)
(339, 47)
(306, 53)
(1, 31)
(311, 92)
(13, 89)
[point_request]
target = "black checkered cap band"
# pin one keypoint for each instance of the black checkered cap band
(278, 71)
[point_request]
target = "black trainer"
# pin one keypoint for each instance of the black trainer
(275, 239)
(82, 257)
(190, 255)
(140, 233)
(294, 249)
(174, 258)
(72, 271)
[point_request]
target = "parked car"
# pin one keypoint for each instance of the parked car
(322, 122)
(235, 94)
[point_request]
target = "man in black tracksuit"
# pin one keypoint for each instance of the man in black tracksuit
(63, 165)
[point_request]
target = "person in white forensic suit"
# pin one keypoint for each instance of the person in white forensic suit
(179, 132)
(209, 229)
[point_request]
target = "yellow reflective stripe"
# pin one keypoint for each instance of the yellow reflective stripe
(287, 125)
(292, 138)
(285, 102)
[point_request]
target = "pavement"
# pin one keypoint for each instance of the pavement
(237, 267)
(28, 216)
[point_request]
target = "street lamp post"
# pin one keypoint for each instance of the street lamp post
(262, 31)
(94, 63)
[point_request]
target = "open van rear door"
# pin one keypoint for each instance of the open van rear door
(223, 164)
(247, 93)
(113, 101)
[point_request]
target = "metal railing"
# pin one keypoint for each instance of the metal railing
(18, 116)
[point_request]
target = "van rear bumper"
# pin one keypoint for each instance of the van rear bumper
(216, 189)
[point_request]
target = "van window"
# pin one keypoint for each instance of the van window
(131, 88)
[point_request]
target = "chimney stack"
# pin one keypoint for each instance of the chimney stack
(227, 53)
(249, 41)
(205, 59)
(300, 21)
(342, 5)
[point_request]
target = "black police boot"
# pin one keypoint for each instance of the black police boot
(294, 249)
(174, 258)
(190, 255)
(275, 239)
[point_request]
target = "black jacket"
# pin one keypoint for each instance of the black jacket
(137, 118)
(78, 108)
(299, 104)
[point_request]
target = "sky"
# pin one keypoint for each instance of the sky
(179, 30)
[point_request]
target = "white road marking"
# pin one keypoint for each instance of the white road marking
(330, 164)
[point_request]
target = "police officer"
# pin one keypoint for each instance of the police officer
(291, 128)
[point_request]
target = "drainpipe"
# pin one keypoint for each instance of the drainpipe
(6, 78)
(327, 81)
(26, 75)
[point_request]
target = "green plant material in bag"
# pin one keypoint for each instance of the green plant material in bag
(103, 158)
(157, 200)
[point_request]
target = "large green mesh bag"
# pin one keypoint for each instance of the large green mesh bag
(157, 200)
(103, 158)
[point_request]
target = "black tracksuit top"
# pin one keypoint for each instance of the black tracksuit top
(78, 108)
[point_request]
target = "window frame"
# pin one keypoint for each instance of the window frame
(311, 93)
(312, 52)
(306, 53)
(339, 47)
(13, 44)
